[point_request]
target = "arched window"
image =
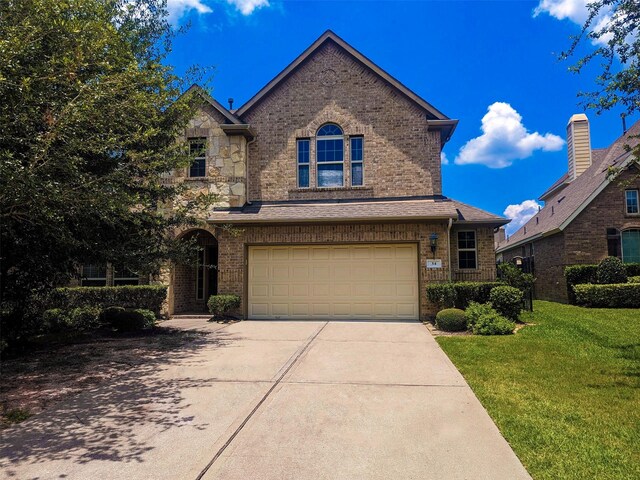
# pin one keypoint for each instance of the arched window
(330, 156)
(631, 245)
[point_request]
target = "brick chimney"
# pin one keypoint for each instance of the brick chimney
(578, 145)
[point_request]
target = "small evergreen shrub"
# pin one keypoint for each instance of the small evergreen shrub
(493, 324)
(132, 320)
(623, 295)
(633, 269)
(578, 275)
(475, 310)
(459, 294)
(85, 318)
(108, 315)
(451, 320)
(55, 320)
(635, 279)
(221, 305)
(507, 301)
(514, 277)
(611, 270)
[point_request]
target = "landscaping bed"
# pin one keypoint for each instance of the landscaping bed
(56, 367)
(564, 391)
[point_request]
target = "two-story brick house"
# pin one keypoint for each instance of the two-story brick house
(331, 179)
(588, 213)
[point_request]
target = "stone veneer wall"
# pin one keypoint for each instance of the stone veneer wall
(401, 158)
(226, 161)
(232, 252)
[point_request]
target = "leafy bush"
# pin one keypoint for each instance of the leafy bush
(108, 315)
(475, 310)
(85, 318)
(55, 320)
(635, 279)
(507, 301)
(148, 297)
(493, 324)
(132, 320)
(578, 275)
(633, 269)
(514, 277)
(451, 320)
(622, 295)
(459, 294)
(221, 305)
(611, 270)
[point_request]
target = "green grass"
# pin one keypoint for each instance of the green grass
(564, 392)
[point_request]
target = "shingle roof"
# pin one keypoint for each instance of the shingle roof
(379, 209)
(560, 207)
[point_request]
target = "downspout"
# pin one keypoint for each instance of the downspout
(247, 169)
(449, 245)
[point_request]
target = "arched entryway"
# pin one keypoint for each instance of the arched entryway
(193, 284)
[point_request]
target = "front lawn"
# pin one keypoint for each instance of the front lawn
(565, 392)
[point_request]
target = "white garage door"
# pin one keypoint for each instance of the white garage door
(333, 282)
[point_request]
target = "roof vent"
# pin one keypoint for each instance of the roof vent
(537, 220)
(230, 100)
(578, 145)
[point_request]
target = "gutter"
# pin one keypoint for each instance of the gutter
(449, 246)
(257, 221)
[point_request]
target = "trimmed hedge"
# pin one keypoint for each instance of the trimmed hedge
(131, 320)
(148, 297)
(634, 279)
(507, 301)
(611, 270)
(617, 295)
(451, 320)
(220, 305)
(582, 274)
(460, 294)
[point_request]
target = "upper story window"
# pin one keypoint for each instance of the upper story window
(197, 149)
(357, 160)
(303, 163)
(631, 197)
(330, 156)
(467, 250)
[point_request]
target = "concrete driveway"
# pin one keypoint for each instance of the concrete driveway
(273, 400)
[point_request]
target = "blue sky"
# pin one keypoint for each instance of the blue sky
(473, 60)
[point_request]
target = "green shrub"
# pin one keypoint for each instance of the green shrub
(493, 324)
(132, 320)
(578, 275)
(221, 305)
(475, 310)
(85, 318)
(633, 269)
(611, 270)
(514, 277)
(623, 295)
(148, 297)
(451, 320)
(108, 315)
(507, 301)
(55, 320)
(635, 279)
(459, 294)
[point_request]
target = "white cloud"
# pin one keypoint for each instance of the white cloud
(246, 7)
(178, 8)
(505, 139)
(520, 214)
(578, 12)
(443, 159)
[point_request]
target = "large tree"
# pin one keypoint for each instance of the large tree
(89, 117)
(613, 27)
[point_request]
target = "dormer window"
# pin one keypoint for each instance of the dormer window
(631, 197)
(197, 149)
(330, 156)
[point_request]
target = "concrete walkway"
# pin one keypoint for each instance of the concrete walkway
(273, 400)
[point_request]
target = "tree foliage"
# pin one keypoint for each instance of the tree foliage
(89, 119)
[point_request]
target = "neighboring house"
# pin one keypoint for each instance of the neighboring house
(588, 214)
(330, 176)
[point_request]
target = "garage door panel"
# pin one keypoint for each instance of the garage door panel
(333, 281)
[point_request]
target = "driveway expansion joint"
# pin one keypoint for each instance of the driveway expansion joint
(291, 362)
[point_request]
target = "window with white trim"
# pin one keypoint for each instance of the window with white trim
(630, 245)
(631, 197)
(467, 250)
(330, 156)
(357, 161)
(197, 150)
(303, 163)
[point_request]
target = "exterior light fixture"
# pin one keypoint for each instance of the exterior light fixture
(433, 242)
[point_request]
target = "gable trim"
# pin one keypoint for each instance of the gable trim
(329, 35)
(214, 103)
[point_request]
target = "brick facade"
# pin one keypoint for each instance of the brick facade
(584, 240)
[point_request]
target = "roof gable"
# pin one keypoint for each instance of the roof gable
(231, 118)
(432, 113)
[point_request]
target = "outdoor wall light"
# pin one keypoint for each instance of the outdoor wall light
(433, 242)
